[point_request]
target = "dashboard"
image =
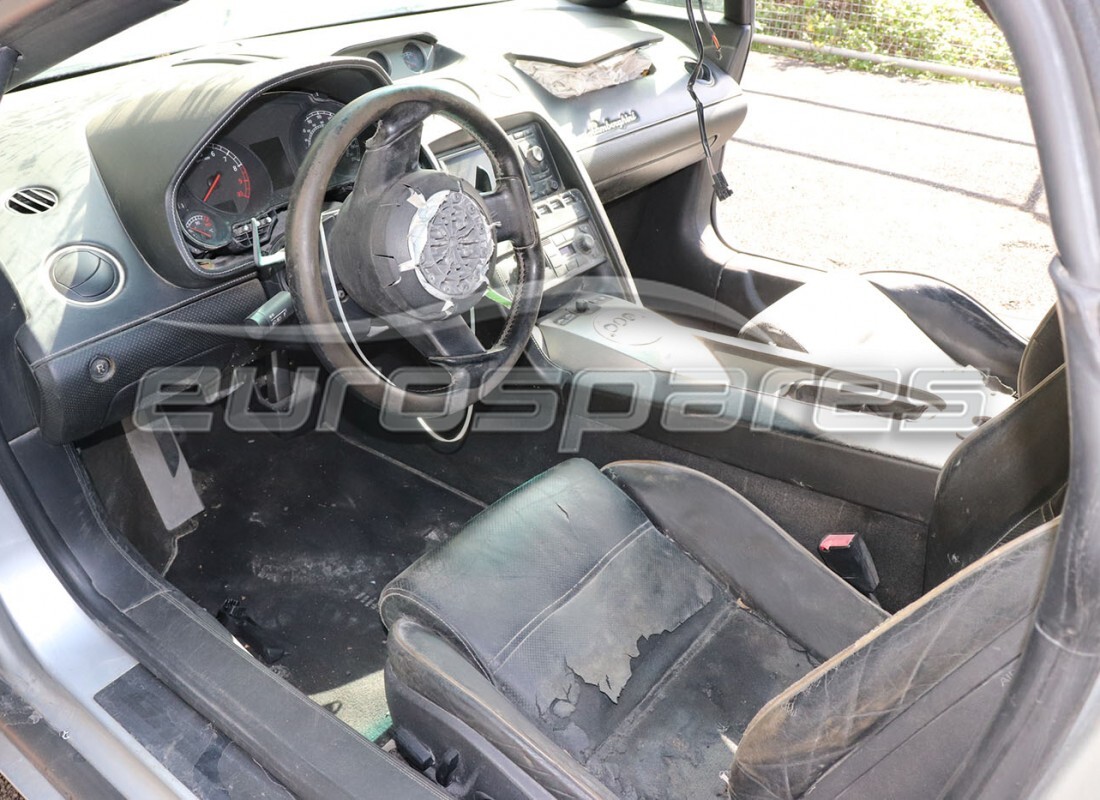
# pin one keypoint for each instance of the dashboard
(247, 171)
(158, 171)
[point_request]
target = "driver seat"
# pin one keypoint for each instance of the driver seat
(631, 632)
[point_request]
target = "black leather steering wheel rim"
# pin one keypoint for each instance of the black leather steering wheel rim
(398, 113)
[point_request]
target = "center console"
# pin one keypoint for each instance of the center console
(853, 434)
(574, 240)
(601, 332)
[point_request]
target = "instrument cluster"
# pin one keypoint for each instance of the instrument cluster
(246, 173)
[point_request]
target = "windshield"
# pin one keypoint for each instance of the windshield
(204, 22)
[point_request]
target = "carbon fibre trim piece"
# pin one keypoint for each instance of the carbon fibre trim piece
(70, 404)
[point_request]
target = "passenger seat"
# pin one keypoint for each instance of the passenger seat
(891, 320)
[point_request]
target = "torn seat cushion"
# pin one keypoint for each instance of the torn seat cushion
(612, 633)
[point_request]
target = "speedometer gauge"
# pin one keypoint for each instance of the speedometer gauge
(220, 180)
(311, 123)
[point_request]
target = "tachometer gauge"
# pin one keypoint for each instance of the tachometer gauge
(310, 124)
(220, 180)
(205, 230)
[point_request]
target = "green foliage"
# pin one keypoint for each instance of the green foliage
(953, 32)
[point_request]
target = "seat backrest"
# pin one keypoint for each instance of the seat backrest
(958, 324)
(1004, 479)
(1043, 355)
(894, 713)
(1009, 474)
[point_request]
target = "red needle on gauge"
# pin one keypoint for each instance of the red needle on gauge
(213, 185)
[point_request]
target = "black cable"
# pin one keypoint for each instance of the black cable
(710, 30)
(721, 186)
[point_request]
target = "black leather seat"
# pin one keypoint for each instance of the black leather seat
(905, 321)
(632, 632)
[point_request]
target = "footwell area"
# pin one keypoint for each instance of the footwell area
(488, 465)
(305, 532)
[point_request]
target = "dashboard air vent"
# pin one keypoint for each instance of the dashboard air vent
(32, 200)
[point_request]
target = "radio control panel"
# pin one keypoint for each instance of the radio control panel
(571, 239)
(571, 242)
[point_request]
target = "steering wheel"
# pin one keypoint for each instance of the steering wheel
(414, 248)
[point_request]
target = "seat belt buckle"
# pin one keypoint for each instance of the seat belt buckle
(847, 555)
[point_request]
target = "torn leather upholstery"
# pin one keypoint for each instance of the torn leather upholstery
(612, 651)
(611, 635)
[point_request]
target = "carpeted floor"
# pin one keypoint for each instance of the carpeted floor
(304, 533)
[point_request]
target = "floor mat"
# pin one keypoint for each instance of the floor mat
(305, 532)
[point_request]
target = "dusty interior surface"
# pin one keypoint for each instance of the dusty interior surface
(623, 650)
(303, 532)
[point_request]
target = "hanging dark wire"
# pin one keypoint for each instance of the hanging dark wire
(721, 186)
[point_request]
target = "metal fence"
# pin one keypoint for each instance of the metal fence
(947, 37)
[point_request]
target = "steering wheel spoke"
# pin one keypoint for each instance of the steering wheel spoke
(510, 209)
(389, 155)
(448, 343)
(414, 247)
(401, 119)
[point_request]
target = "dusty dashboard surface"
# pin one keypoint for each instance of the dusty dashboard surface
(157, 174)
